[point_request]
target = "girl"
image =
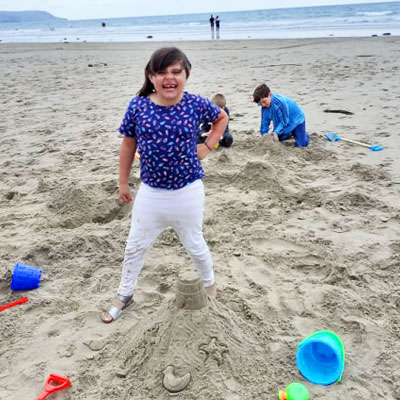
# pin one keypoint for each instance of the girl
(162, 124)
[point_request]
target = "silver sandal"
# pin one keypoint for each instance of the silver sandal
(115, 311)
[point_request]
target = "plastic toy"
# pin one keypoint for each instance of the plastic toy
(54, 383)
(22, 300)
(333, 137)
(25, 277)
(320, 358)
(294, 391)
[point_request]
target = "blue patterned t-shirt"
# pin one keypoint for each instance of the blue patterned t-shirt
(167, 137)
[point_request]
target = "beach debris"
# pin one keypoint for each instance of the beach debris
(54, 383)
(10, 195)
(191, 294)
(174, 383)
(97, 65)
(22, 300)
(214, 350)
(122, 373)
(339, 112)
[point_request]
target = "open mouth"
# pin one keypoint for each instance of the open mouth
(169, 86)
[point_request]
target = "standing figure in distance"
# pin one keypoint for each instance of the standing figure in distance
(217, 22)
(212, 19)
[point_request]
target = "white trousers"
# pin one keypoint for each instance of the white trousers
(157, 209)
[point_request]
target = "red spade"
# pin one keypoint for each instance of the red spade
(54, 383)
(22, 300)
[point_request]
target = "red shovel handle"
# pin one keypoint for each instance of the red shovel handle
(22, 300)
(61, 383)
(43, 395)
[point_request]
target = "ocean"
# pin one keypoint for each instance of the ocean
(352, 20)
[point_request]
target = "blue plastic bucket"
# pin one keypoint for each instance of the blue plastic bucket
(320, 358)
(25, 277)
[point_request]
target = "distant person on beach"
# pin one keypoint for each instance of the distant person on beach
(162, 123)
(287, 117)
(205, 127)
(212, 26)
(212, 19)
(217, 21)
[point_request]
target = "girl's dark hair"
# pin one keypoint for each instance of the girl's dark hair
(260, 92)
(159, 60)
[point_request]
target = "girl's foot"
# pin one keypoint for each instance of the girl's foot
(120, 304)
(212, 290)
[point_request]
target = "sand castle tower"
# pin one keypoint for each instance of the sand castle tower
(190, 293)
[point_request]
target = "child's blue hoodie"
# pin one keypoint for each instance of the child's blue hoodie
(284, 113)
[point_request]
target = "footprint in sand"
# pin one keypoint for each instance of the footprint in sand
(278, 246)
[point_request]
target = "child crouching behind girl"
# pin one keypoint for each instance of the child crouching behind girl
(227, 138)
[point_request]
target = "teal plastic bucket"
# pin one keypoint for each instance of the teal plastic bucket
(320, 358)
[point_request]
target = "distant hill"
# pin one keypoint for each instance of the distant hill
(28, 16)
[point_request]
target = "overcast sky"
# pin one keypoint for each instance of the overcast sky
(88, 9)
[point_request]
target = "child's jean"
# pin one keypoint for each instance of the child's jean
(226, 140)
(157, 209)
(300, 136)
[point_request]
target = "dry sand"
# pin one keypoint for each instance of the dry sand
(302, 239)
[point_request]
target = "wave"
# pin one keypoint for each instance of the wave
(374, 13)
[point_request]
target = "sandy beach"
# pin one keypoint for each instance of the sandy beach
(302, 239)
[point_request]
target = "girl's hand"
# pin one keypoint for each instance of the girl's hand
(124, 193)
(126, 155)
(275, 137)
(202, 151)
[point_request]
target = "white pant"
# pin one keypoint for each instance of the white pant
(153, 211)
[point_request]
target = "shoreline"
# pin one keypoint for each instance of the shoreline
(219, 43)
(161, 41)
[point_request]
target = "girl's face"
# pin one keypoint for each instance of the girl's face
(168, 85)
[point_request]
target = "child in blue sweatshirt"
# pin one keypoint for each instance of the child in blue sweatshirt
(286, 115)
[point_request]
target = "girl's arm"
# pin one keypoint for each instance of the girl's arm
(126, 156)
(214, 136)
